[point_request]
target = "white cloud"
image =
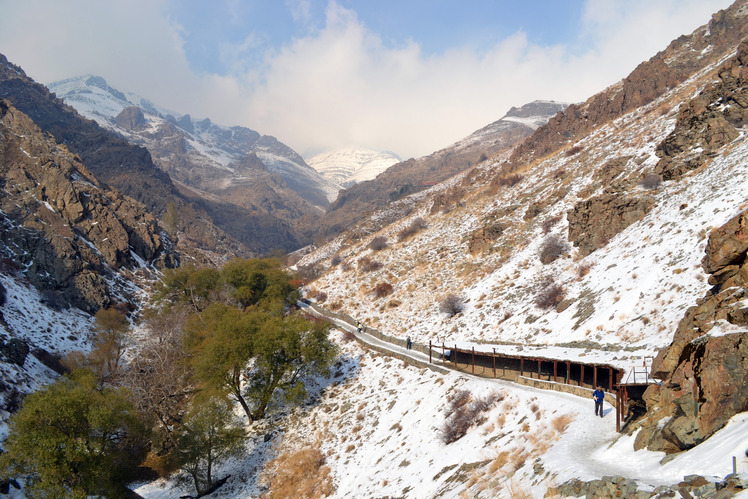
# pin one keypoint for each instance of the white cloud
(342, 84)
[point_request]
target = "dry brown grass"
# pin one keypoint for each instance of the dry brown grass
(298, 473)
(498, 462)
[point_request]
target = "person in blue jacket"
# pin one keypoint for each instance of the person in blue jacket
(598, 396)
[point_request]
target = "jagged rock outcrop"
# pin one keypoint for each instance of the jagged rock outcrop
(130, 118)
(709, 121)
(594, 221)
(705, 369)
(65, 228)
(618, 486)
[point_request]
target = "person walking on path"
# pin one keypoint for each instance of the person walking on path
(408, 343)
(598, 396)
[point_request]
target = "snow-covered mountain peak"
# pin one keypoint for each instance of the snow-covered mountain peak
(351, 165)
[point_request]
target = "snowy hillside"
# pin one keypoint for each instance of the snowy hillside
(630, 293)
(375, 430)
(352, 165)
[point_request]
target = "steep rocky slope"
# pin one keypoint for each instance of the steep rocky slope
(117, 163)
(257, 173)
(590, 234)
(66, 231)
(415, 175)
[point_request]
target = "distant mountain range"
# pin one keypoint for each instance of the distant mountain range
(238, 175)
(415, 175)
(178, 138)
(351, 165)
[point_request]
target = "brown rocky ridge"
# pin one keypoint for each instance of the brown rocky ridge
(67, 231)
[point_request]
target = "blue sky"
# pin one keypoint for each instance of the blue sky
(406, 76)
(436, 25)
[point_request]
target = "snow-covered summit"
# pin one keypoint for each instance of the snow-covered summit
(351, 165)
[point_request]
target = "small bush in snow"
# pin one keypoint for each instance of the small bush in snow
(382, 289)
(321, 297)
(552, 248)
(378, 243)
(415, 226)
(548, 223)
(465, 411)
(335, 260)
(452, 305)
(550, 294)
(509, 180)
(54, 299)
(366, 264)
(651, 181)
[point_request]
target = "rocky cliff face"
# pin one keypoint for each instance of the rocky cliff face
(115, 162)
(705, 369)
(68, 231)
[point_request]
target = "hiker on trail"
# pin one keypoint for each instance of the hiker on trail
(359, 326)
(599, 396)
(408, 343)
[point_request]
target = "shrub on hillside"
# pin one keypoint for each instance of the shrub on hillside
(378, 243)
(550, 294)
(54, 299)
(382, 289)
(552, 248)
(509, 180)
(415, 226)
(463, 412)
(299, 473)
(452, 305)
(574, 150)
(651, 181)
(308, 273)
(366, 264)
(550, 222)
(335, 260)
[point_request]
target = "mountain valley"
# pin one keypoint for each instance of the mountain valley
(611, 233)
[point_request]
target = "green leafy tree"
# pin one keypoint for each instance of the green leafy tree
(188, 285)
(259, 282)
(219, 343)
(287, 349)
(253, 354)
(74, 439)
(208, 436)
(110, 340)
(171, 219)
